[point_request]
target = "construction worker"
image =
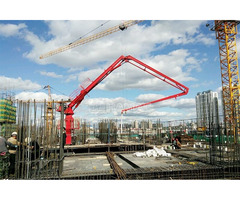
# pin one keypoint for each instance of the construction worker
(173, 143)
(64, 137)
(12, 151)
(32, 154)
(178, 144)
(4, 157)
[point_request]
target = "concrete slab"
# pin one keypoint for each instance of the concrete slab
(151, 161)
(79, 164)
(98, 163)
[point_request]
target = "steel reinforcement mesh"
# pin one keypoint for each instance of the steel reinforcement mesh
(160, 173)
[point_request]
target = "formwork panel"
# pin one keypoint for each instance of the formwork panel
(85, 164)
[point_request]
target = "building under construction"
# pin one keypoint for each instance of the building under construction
(102, 152)
(53, 147)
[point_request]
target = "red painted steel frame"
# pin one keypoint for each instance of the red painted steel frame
(120, 61)
(160, 76)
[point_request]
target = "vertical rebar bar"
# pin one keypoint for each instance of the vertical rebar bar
(61, 155)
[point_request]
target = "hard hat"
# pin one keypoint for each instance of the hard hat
(14, 133)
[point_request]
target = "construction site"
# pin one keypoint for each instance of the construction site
(65, 147)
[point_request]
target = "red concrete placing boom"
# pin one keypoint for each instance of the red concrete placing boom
(120, 61)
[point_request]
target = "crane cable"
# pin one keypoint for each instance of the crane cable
(59, 91)
(89, 32)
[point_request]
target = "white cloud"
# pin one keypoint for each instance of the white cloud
(206, 39)
(112, 107)
(219, 90)
(37, 45)
(50, 74)
(238, 47)
(140, 41)
(148, 97)
(7, 83)
(8, 30)
(58, 97)
(220, 103)
(180, 103)
(107, 105)
(96, 108)
(71, 77)
(202, 84)
(39, 96)
(92, 74)
(151, 113)
(177, 65)
(184, 103)
(137, 40)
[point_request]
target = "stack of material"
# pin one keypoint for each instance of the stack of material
(7, 111)
(184, 139)
(140, 154)
(93, 141)
(155, 152)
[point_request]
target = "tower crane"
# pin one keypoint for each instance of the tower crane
(226, 31)
(82, 41)
(49, 112)
(69, 110)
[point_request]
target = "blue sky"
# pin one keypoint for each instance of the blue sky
(184, 50)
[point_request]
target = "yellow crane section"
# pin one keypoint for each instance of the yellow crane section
(82, 41)
(49, 113)
(226, 32)
(49, 116)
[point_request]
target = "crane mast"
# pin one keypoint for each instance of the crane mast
(49, 113)
(226, 32)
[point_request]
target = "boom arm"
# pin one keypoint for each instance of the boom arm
(69, 121)
(121, 60)
(160, 76)
(92, 37)
(75, 102)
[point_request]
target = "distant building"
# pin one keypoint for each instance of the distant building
(146, 124)
(143, 124)
(135, 124)
(207, 108)
(150, 126)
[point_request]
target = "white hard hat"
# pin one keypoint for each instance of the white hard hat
(14, 133)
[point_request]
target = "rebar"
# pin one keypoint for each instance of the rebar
(222, 156)
(121, 175)
(39, 155)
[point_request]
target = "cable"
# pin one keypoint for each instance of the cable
(58, 91)
(36, 90)
(89, 32)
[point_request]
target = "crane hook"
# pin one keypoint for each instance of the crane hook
(122, 27)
